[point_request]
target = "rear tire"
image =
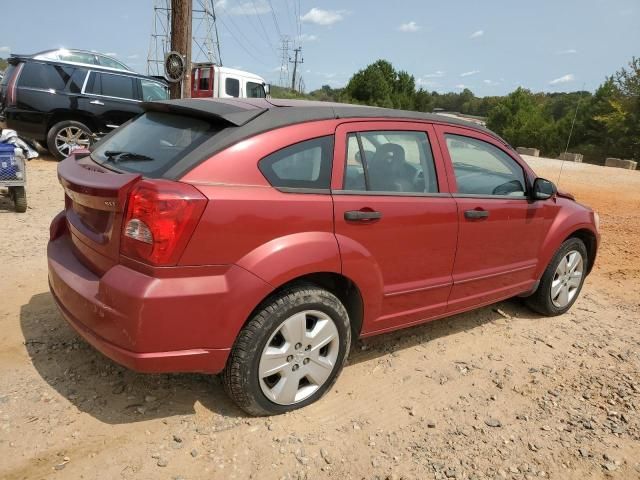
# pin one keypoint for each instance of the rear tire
(66, 135)
(560, 286)
(271, 354)
(19, 196)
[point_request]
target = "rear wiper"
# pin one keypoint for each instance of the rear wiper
(115, 156)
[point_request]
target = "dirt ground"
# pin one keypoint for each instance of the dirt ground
(495, 393)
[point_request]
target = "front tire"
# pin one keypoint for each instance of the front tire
(562, 281)
(66, 136)
(290, 352)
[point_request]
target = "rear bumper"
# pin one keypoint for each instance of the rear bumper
(149, 324)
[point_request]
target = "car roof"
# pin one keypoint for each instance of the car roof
(244, 118)
(242, 112)
(18, 57)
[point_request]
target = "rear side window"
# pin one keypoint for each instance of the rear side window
(111, 85)
(111, 63)
(303, 165)
(390, 161)
(152, 143)
(232, 87)
(45, 76)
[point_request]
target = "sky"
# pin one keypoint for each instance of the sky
(490, 46)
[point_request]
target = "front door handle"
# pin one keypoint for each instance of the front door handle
(475, 214)
(361, 215)
(96, 102)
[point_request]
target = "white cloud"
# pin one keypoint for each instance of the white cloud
(134, 56)
(257, 7)
(468, 74)
(438, 74)
(409, 27)
(5, 49)
(568, 51)
(491, 83)
(305, 37)
(460, 86)
(427, 83)
(477, 33)
(569, 77)
(323, 17)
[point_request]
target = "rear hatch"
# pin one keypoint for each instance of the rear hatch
(95, 202)
(131, 167)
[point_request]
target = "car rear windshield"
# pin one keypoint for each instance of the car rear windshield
(152, 143)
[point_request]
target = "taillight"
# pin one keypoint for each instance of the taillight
(161, 216)
(12, 87)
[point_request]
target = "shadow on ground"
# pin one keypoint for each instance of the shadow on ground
(116, 395)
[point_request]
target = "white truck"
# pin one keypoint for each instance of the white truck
(213, 81)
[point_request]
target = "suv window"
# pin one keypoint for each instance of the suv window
(303, 165)
(153, 91)
(232, 87)
(45, 76)
(78, 57)
(483, 169)
(255, 90)
(111, 85)
(390, 161)
(111, 63)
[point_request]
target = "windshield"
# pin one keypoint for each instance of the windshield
(152, 143)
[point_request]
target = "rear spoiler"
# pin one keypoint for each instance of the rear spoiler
(216, 110)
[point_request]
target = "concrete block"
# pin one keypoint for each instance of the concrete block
(618, 163)
(534, 152)
(571, 157)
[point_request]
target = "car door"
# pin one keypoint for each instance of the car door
(395, 221)
(500, 229)
(113, 98)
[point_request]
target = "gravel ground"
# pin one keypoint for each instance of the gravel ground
(495, 393)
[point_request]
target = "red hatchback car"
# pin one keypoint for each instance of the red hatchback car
(257, 237)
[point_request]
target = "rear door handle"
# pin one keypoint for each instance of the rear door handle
(474, 214)
(96, 102)
(361, 215)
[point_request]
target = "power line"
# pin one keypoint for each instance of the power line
(264, 30)
(275, 19)
(257, 59)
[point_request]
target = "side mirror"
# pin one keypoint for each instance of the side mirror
(543, 189)
(267, 88)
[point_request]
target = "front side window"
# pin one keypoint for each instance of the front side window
(390, 161)
(303, 165)
(483, 169)
(153, 91)
(109, 85)
(232, 87)
(255, 90)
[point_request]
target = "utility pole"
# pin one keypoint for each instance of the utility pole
(295, 66)
(181, 11)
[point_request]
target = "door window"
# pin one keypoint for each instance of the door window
(109, 85)
(483, 169)
(255, 90)
(153, 91)
(303, 165)
(232, 87)
(45, 76)
(390, 161)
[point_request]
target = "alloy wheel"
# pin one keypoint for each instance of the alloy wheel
(567, 279)
(299, 357)
(70, 138)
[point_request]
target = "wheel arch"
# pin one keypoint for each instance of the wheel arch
(590, 241)
(58, 116)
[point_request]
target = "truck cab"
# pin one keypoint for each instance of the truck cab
(213, 81)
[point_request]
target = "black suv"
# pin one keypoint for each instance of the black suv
(64, 104)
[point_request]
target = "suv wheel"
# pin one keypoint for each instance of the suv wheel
(66, 136)
(562, 280)
(290, 352)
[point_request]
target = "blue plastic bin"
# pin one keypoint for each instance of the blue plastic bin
(8, 163)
